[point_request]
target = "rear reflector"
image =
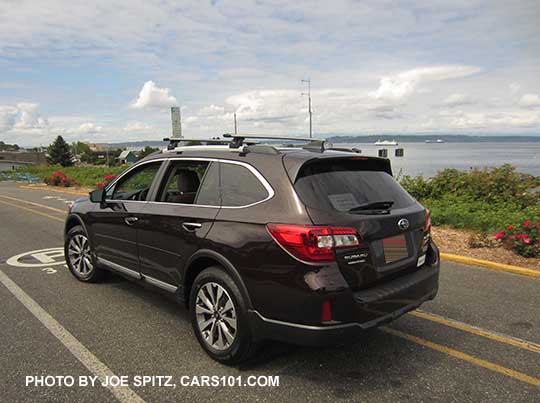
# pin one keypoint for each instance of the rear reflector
(326, 311)
(313, 244)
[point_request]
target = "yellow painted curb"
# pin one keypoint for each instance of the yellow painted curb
(51, 189)
(490, 265)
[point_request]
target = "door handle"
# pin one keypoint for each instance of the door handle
(191, 226)
(131, 220)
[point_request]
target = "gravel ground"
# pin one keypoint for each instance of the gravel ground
(456, 241)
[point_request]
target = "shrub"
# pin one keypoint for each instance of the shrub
(485, 200)
(106, 180)
(523, 239)
(59, 178)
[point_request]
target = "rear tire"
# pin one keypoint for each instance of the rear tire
(219, 317)
(79, 256)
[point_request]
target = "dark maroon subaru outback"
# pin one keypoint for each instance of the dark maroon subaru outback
(305, 245)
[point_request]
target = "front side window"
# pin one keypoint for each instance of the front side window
(239, 186)
(136, 184)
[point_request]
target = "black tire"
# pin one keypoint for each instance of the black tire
(243, 346)
(89, 273)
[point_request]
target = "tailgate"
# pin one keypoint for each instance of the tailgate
(386, 252)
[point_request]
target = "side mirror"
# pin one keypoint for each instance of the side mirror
(97, 196)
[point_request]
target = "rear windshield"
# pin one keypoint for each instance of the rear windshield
(345, 184)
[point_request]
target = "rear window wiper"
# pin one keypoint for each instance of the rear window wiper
(378, 205)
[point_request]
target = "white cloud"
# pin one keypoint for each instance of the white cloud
(151, 96)
(88, 128)
(405, 83)
(136, 127)
(530, 101)
(457, 99)
(22, 116)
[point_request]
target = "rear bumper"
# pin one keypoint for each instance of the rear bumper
(385, 303)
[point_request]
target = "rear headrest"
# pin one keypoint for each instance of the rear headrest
(187, 180)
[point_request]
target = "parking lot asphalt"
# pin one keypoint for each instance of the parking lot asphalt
(479, 340)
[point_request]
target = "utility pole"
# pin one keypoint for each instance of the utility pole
(235, 131)
(308, 81)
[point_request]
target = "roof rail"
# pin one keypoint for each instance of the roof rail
(174, 141)
(238, 140)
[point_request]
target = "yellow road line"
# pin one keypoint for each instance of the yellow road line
(513, 341)
(490, 265)
(464, 357)
(51, 189)
(33, 211)
(34, 204)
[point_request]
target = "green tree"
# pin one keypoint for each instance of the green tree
(147, 151)
(59, 153)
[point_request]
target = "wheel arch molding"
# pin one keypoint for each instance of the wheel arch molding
(73, 220)
(204, 258)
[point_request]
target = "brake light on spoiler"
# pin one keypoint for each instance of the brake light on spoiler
(313, 244)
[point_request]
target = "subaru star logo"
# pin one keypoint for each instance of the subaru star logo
(403, 224)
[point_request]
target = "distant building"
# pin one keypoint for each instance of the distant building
(24, 157)
(127, 157)
(102, 147)
(9, 165)
(176, 122)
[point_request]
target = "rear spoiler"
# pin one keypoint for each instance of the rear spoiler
(293, 162)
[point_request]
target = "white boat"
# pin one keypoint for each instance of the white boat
(386, 143)
(438, 141)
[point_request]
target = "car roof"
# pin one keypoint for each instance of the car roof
(293, 158)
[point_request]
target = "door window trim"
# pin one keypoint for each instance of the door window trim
(168, 160)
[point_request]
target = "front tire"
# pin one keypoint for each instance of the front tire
(219, 317)
(79, 257)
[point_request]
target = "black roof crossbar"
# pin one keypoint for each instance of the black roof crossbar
(174, 142)
(239, 139)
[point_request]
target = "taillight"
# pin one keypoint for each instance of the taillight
(314, 244)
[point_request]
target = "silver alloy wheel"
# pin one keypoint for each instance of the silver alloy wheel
(216, 316)
(79, 255)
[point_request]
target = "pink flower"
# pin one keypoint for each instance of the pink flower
(499, 235)
(527, 241)
(510, 227)
(527, 224)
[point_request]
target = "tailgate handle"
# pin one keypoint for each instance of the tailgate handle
(191, 226)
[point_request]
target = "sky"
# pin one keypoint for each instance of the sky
(109, 71)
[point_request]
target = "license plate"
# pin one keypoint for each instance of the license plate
(395, 248)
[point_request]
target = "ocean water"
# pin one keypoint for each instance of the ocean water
(426, 159)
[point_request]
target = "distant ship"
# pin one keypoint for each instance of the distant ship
(386, 143)
(439, 141)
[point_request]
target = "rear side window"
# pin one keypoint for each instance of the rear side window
(183, 181)
(239, 186)
(344, 184)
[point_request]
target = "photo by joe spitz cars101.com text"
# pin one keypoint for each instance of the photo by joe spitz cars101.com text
(303, 244)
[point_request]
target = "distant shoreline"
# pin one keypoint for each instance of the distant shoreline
(447, 138)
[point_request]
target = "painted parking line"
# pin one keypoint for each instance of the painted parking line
(33, 204)
(85, 356)
(34, 211)
(489, 334)
(464, 357)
